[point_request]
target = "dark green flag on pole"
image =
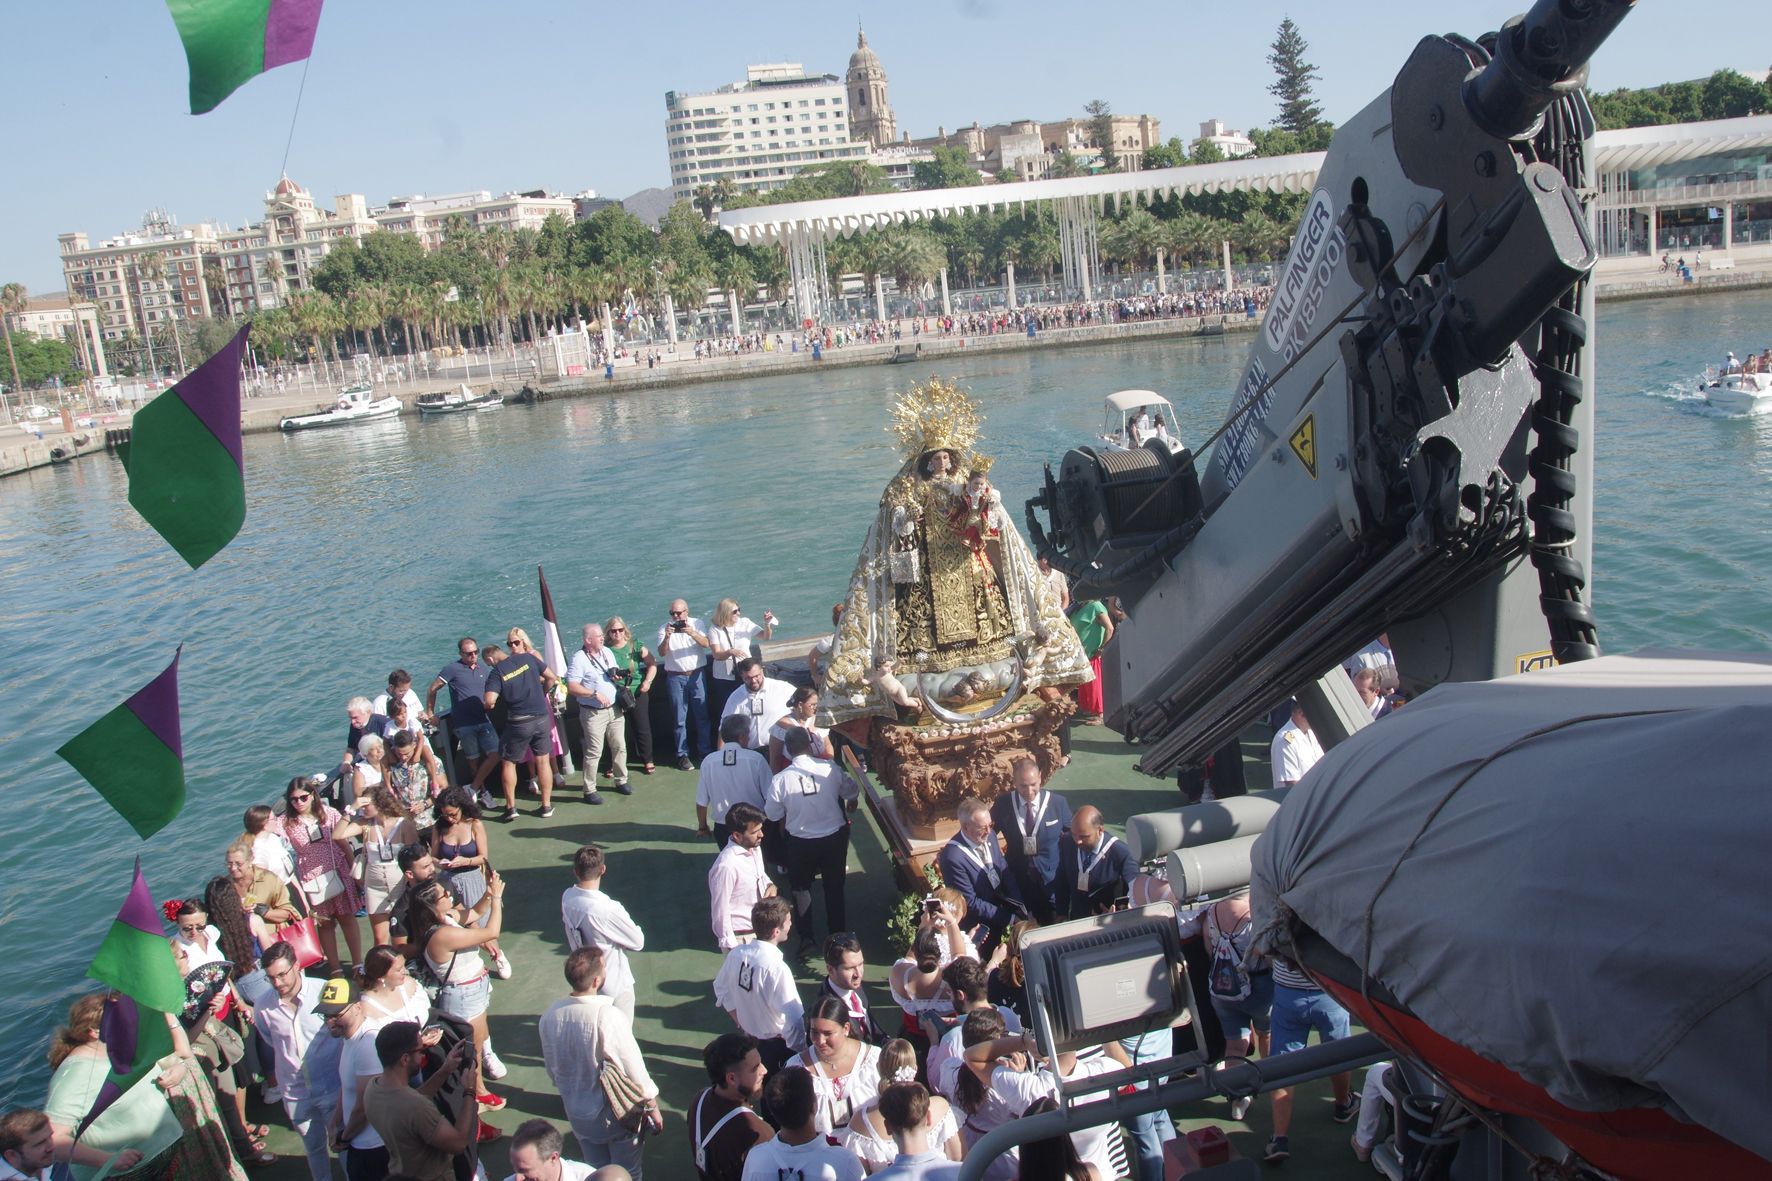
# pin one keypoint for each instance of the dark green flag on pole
(186, 475)
(134, 757)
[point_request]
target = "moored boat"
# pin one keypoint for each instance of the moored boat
(356, 403)
(1739, 393)
(461, 400)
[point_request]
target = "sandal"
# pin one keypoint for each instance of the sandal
(255, 1155)
(258, 1131)
(648, 769)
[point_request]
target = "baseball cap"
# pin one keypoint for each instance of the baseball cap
(339, 994)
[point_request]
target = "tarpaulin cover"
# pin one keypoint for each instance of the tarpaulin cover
(1579, 866)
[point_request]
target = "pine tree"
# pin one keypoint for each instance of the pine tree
(1101, 130)
(1292, 80)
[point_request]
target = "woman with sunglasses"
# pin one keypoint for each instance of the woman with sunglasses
(459, 843)
(323, 871)
(729, 641)
(452, 952)
(638, 667)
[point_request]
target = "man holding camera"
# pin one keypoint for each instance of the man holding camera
(420, 1142)
(591, 682)
(683, 650)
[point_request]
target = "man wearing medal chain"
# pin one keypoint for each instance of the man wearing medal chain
(1036, 825)
(1096, 872)
(972, 863)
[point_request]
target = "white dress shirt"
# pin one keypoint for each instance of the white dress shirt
(1294, 752)
(577, 1034)
(592, 918)
(736, 883)
(761, 709)
(808, 796)
(678, 652)
(755, 983)
(731, 775)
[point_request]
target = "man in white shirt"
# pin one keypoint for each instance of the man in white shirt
(738, 879)
(28, 1152)
(731, 775)
(579, 1034)
(535, 1155)
(756, 987)
(798, 1150)
(304, 1060)
(594, 919)
(1295, 749)
(811, 798)
(905, 1109)
(683, 652)
(358, 1145)
(967, 981)
(762, 701)
(399, 685)
(591, 685)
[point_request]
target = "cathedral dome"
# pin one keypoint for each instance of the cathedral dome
(864, 60)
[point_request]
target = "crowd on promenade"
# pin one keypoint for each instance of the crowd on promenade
(382, 1059)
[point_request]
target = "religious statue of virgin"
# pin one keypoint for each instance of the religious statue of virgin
(947, 619)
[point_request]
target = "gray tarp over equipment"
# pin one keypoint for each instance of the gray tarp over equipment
(1591, 906)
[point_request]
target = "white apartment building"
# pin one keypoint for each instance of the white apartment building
(1234, 144)
(143, 278)
(263, 264)
(757, 134)
(428, 217)
(47, 317)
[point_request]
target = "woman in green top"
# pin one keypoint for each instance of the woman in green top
(169, 1117)
(1095, 627)
(637, 668)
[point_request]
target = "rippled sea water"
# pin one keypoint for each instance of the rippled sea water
(378, 546)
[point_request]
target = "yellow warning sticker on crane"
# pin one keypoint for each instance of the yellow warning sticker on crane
(1304, 444)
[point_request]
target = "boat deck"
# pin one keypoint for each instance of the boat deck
(658, 868)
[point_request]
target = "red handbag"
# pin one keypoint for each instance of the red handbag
(304, 937)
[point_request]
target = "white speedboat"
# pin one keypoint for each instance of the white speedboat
(356, 403)
(1739, 393)
(461, 400)
(1132, 417)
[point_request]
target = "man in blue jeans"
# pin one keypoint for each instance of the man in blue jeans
(683, 651)
(1153, 1127)
(1299, 1007)
(468, 720)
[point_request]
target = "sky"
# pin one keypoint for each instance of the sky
(440, 96)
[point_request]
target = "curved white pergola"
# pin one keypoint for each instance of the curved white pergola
(804, 227)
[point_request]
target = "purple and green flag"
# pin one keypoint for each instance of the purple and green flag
(135, 960)
(231, 42)
(186, 475)
(134, 757)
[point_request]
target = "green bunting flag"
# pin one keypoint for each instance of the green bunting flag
(134, 757)
(231, 42)
(186, 475)
(136, 960)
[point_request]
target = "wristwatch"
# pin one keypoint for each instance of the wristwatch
(262, 910)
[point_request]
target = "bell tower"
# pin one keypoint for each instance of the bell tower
(870, 115)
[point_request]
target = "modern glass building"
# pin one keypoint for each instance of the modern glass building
(1684, 187)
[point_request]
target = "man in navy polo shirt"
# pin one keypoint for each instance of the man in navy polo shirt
(522, 680)
(466, 678)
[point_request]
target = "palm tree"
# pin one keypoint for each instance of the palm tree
(149, 268)
(270, 268)
(365, 311)
(216, 282)
(407, 304)
(13, 298)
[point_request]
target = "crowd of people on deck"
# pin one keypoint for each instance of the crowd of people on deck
(378, 1049)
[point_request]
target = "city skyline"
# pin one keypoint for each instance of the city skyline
(100, 132)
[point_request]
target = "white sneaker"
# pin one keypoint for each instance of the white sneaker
(491, 1066)
(501, 966)
(271, 1094)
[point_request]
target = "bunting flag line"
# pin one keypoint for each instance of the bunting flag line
(551, 649)
(136, 960)
(134, 756)
(230, 42)
(186, 475)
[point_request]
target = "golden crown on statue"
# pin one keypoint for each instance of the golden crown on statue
(936, 416)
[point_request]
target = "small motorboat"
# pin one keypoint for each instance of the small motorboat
(461, 400)
(1131, 418)
(356, 403)
(1738, 393)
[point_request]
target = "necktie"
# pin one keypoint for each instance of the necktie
(1029, 808)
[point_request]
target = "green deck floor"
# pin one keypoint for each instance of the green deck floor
(658, 870)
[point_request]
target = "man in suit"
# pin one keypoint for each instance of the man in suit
(1036, 826)
(972, 863)
(844, 965)
(1096, 872)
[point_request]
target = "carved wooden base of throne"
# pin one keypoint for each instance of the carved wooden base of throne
(930, 769)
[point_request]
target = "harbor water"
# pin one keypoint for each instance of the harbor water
(378, 546)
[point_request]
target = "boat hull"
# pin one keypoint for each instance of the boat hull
(386, 408)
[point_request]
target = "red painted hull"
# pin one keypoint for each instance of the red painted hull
(1643, 1144)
